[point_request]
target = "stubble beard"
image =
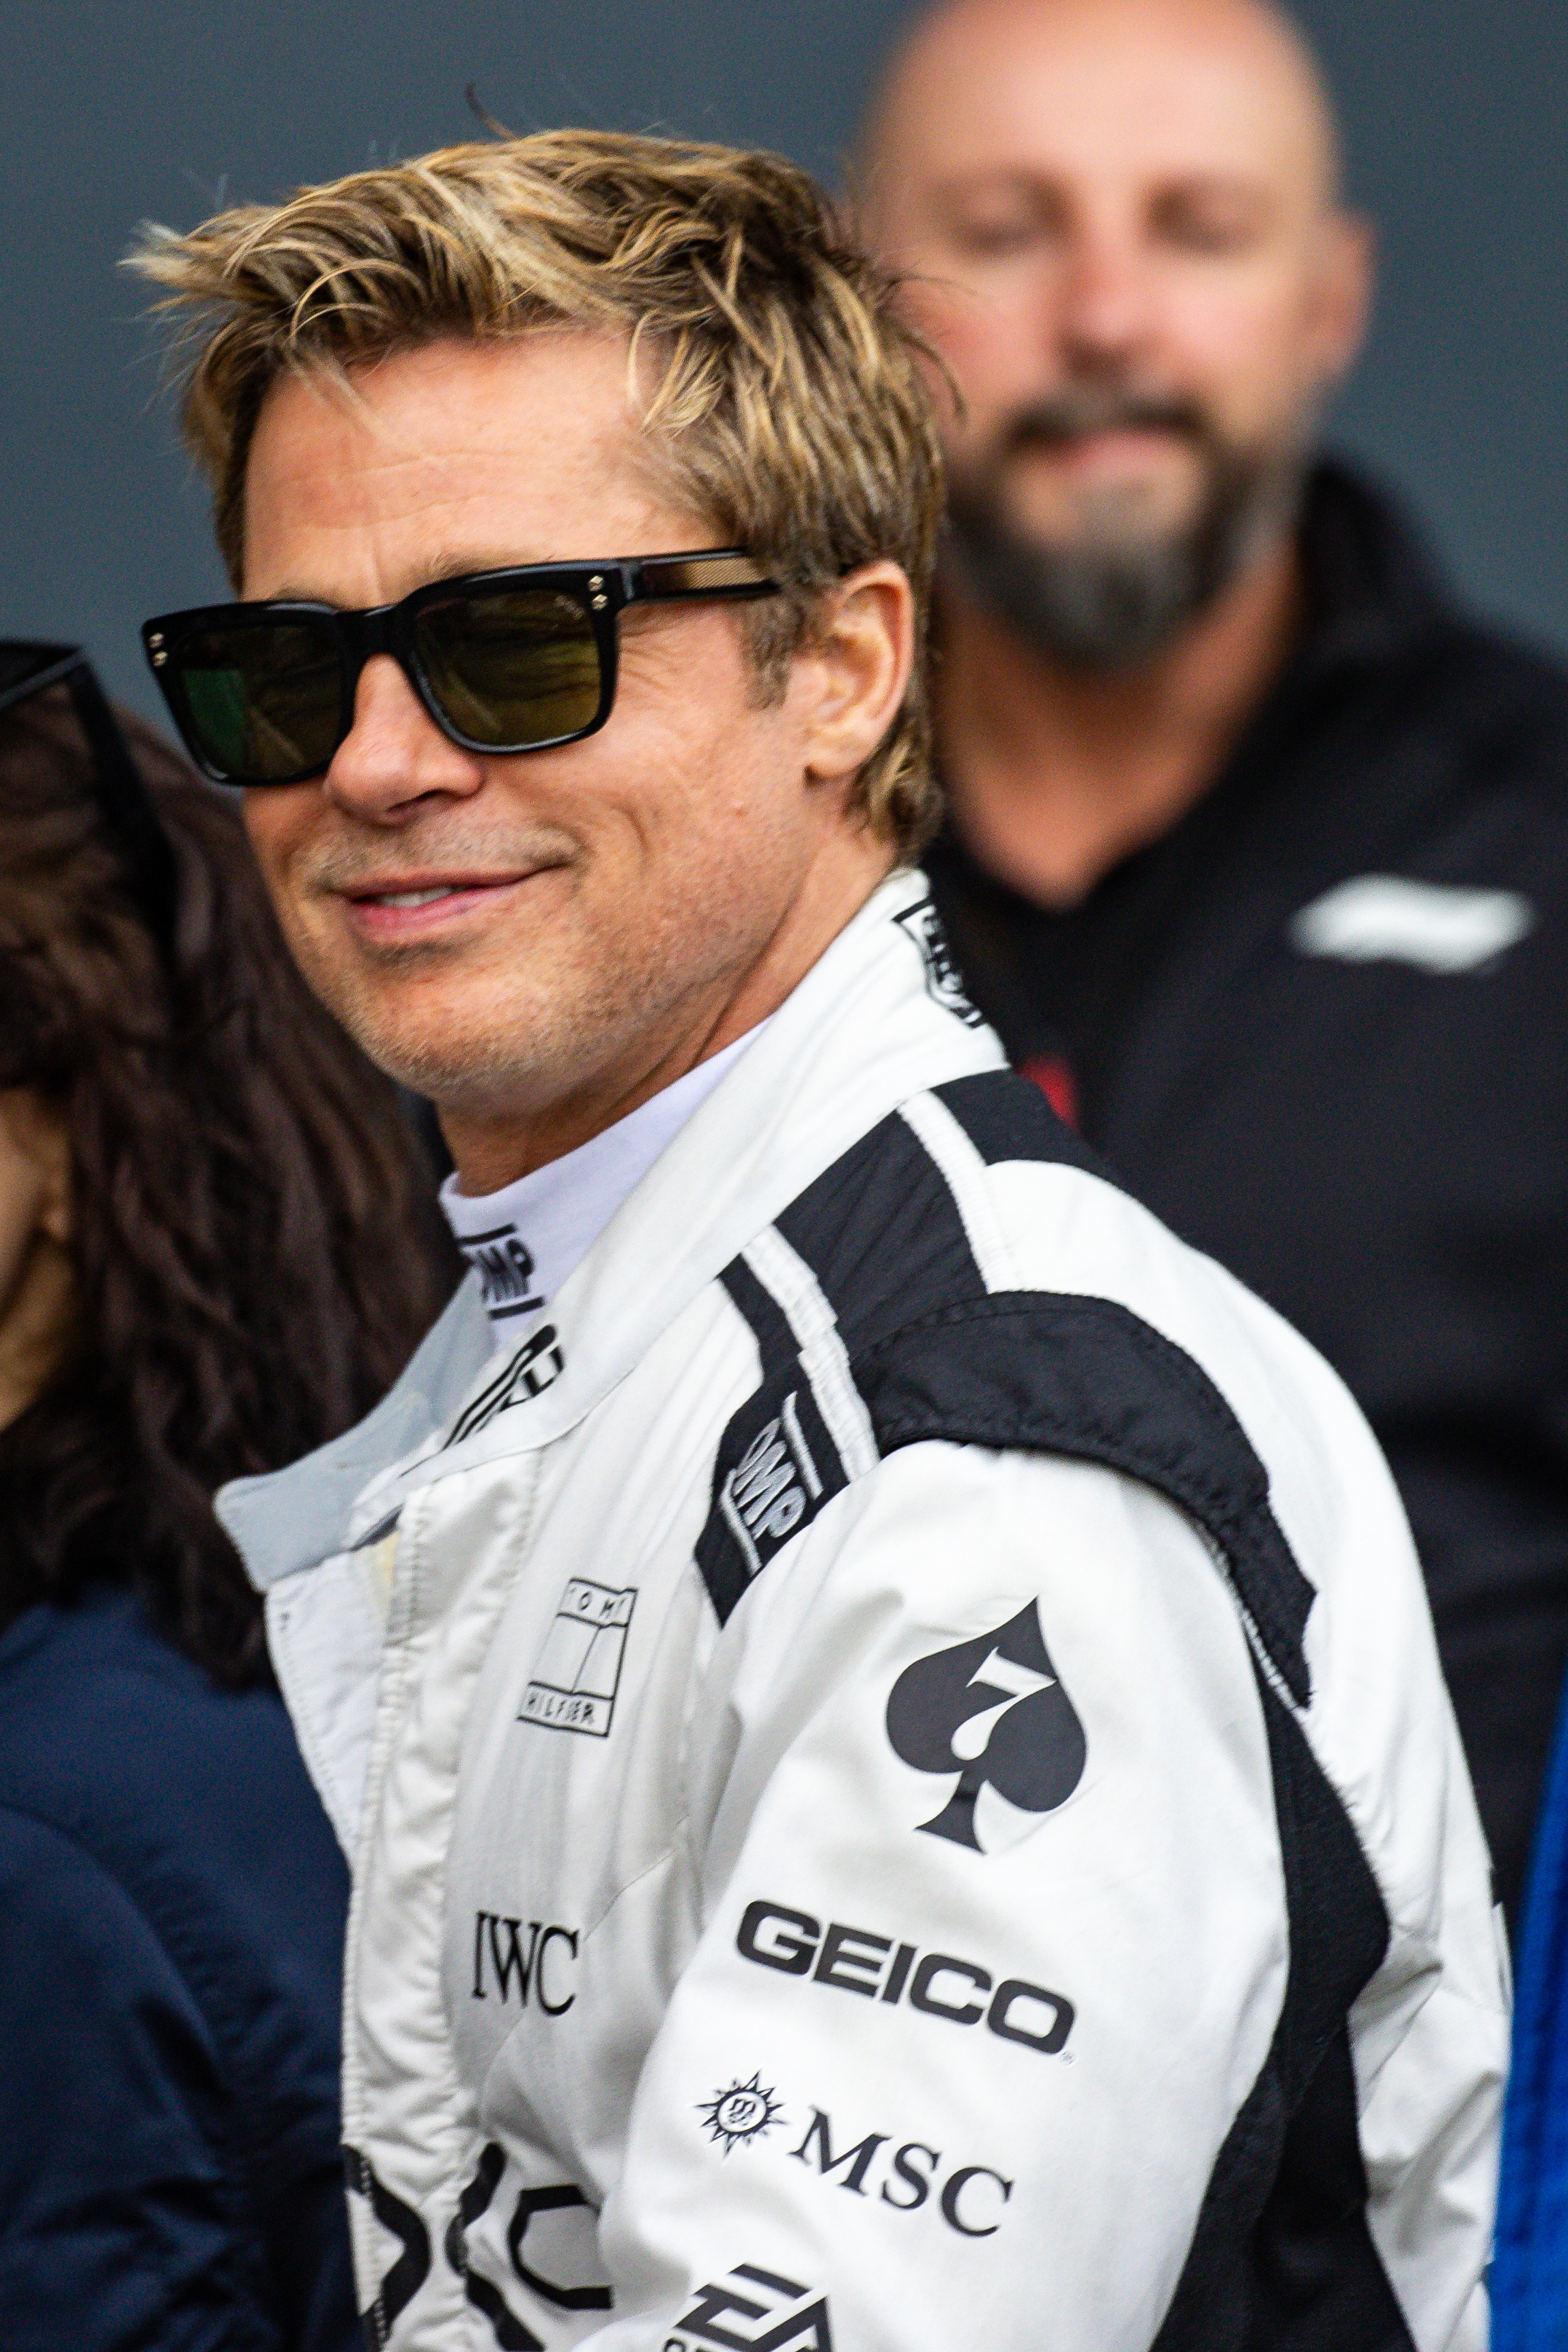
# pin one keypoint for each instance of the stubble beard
(1118, 595)
(536, 1018)
(515, 1037)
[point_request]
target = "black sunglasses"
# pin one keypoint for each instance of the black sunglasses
(126, 805)
(503, 661)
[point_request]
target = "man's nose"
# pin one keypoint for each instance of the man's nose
(394, 757)
(1104, 305)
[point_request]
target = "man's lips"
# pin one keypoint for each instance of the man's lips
(409, 906)
(1112, 445)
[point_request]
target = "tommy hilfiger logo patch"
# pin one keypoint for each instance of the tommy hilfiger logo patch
(579, 1671)
(923, 925)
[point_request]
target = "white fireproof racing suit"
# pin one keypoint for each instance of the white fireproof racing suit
(899, 1789)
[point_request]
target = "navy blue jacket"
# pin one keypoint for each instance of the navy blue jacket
(1530, 2270)
(172, 1914)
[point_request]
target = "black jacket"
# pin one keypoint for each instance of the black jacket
(171, 1910)
(1368, 1119)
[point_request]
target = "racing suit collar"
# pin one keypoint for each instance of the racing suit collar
(527, 1238)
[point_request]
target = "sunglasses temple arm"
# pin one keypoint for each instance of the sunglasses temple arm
(672, 578)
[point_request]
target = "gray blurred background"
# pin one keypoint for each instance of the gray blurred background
(1455, 116)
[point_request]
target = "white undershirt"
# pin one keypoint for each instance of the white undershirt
(524, 1240)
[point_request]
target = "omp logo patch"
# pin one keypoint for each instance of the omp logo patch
(777, 1466)
(775, 2315)
(504, 1265)
(538, 1364)
(764, 1499)
(561, 2198)
(923, 925)
(407, 2273)
(579, 1671)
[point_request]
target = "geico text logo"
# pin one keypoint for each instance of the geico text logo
(939, 1984)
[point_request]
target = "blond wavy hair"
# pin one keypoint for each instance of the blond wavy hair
(781, 391)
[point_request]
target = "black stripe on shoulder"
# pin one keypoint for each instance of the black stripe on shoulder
(777, 1467)
(1282, 2258)
(757, 1306)
(1086, 1378)
(882, 1234)
(1007, 1117)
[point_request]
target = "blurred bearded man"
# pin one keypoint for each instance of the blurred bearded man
(1258, 848)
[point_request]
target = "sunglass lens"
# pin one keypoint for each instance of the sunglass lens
(261, 703)
(513, 670)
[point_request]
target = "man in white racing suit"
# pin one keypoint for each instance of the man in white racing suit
(883, 1710)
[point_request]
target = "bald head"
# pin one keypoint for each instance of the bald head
(1207, 82)
(1122, 225)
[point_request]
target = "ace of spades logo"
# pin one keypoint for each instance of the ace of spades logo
(1032, 1751)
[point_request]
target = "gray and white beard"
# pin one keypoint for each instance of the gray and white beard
(1111, 603)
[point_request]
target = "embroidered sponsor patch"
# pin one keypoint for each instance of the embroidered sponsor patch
(740, 2113)
(777, 1467)
(765, 1497)
(538, 1364)
(504, 1265)
(923, 925)
(892, 1969)
(579, 1671)
(514, 1960)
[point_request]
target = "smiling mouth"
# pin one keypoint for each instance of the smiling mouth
(416, 897)
(422, 907)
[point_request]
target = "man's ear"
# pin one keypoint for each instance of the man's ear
(1346, 282)
(854, 670)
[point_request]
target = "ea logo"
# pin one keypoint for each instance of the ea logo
(993, 1711)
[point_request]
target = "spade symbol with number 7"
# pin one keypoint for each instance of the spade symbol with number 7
(994, 1711)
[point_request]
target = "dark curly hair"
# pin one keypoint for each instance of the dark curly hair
(255, 1243)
